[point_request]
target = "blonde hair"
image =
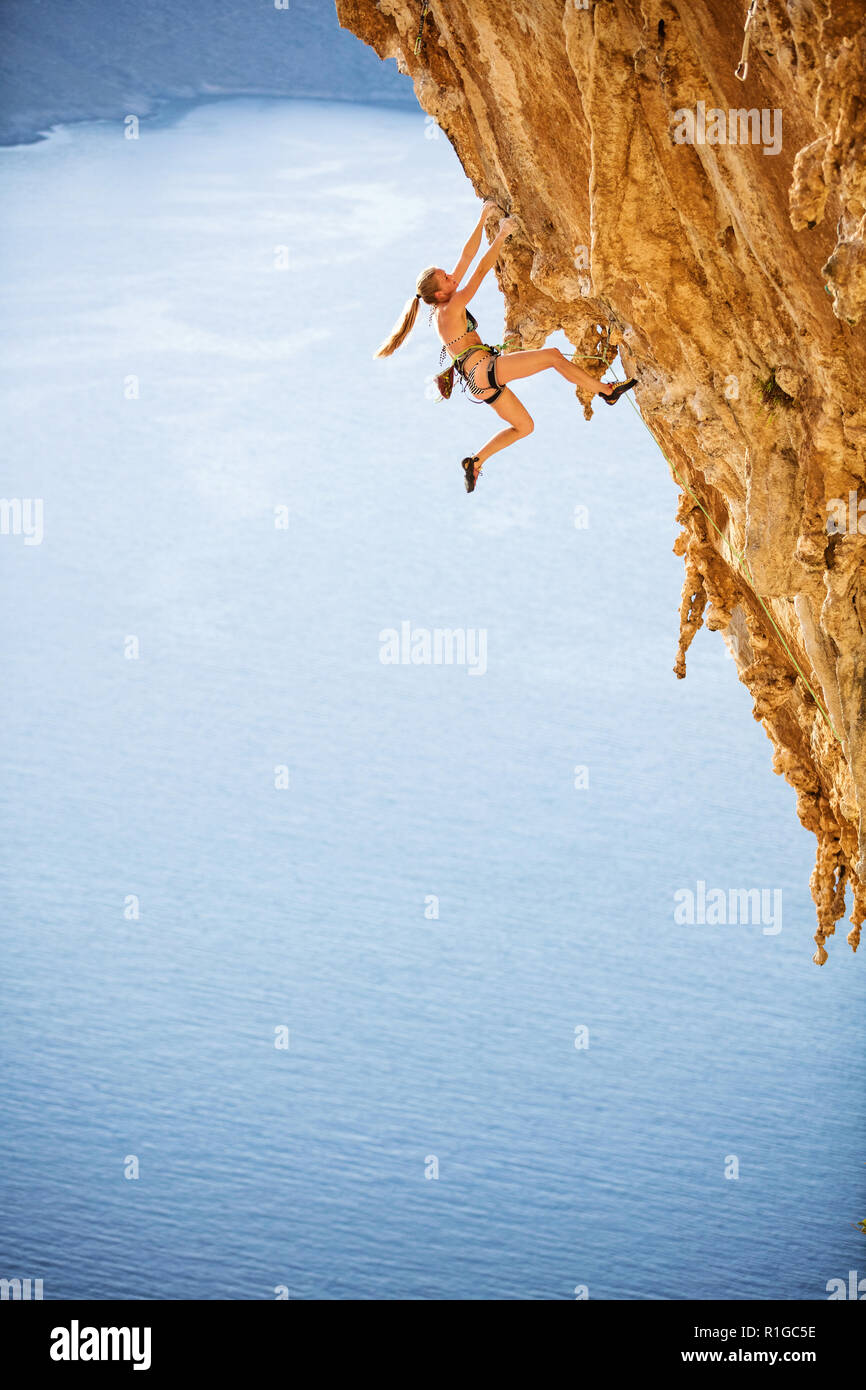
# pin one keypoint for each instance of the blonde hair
(426, 289)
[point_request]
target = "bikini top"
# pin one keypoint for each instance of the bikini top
(471, 327)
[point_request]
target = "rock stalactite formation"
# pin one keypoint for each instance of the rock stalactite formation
(715, 229)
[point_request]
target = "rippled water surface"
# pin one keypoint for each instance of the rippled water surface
(154, 267)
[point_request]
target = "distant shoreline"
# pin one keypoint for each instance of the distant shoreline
(164, 111)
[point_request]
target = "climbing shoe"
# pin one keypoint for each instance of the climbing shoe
(620, 390)
(468, 467)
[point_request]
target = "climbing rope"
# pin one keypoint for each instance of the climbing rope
(744, 567)
(742, 69)
(424, 8)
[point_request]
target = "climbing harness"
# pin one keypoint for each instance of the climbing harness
(742, 69)
(743, 565)
(445, 379)
(424, 8)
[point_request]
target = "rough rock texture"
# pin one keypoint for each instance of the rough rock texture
(733, 283)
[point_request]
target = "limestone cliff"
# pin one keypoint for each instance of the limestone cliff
(724, 253)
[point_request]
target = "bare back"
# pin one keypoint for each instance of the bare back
(451, 321)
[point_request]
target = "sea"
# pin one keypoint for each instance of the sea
(357, 835)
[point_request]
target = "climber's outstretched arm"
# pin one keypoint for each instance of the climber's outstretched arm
(487, 262)
(470, 250)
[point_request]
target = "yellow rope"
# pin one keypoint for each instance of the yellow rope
(743, 565)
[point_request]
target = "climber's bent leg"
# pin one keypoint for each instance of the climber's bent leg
(514, 365)
(509, 408)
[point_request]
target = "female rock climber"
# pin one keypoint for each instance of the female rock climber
(481, 367)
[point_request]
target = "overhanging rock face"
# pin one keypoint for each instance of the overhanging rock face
(717, 228)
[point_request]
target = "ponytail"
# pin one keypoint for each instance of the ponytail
(426, 288)
(401, 330)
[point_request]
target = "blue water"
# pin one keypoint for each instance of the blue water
(411, 1037)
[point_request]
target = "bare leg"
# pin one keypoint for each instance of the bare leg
(520, 425)
(514, 365)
